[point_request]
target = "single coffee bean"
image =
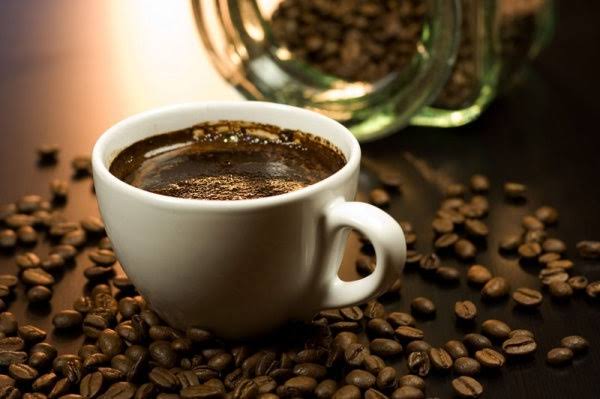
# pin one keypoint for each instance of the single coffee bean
(418, 346)
(95, 359)
(373, 364)
(36, 276)
(344, 326)
(429, 262)
(53, 262)
(353, 313)
(8, 323)
(464, 249)
(478, 274)
(314, 370)
(19, 220)
(380, 327)
(8, 238)
(29, 203)
(103, 257)
(519, 345)
(311, 355)
(575, 343)
(465, 310)
(44, 382)
(22, 372)
(385, 347)
(119, 390)
(514, 191)
(593, 289)
(467, 387)
(61, 387)
(60, 229)
(490, 358)
(9, 357)
(409, 333)
(451, 212)
(527, 297)
(59, 190)
(476, 342)
(374, 394)
(163, 378)
(521, 332)
(588, 249)
(530, 222)
(196, 334)
(442, 225)
(82, 166)
(495, 329)
(564, 264)
(208, 391)
(10, 392)
(398, 319)
(548, 257)
(374, 310)
(12, 344)
(299, 386)
(360, 378)
(27, 235)
(466, 366)
(479, 183)
(530, 250)
(347, 392)
(445, 241)
(454, 190)
(447, 274)
(160, 351)
(110, 343)
(392, 181)
(93, 225)
(91, 384)
(560, 289)
(422, 306)
(76, 238)
(407, 392)
(67, 252)
(456, 349)
(559, 356)
(386, 378)
(355, 354)
(267, 384)
(28, 260)
(476, 228)
(440, 359)
(550, 275)
(496, 288)
(31, 334)
(411, 380)
(578, 283)
(511, 243)
(418, 363)
(547, 214)
(8, 280)
(379, 197)
(145, 391)
(67, 319)
(554, 245)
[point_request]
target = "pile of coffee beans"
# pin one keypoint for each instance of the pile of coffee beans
(349, 353)
(355, 40)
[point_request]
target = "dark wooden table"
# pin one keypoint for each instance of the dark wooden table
(70, 69)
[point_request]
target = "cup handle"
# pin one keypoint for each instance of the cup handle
(390, 249)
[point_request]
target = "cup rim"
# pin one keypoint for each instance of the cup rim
(101, 171)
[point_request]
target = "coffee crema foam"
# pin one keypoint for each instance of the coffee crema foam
(227, 160)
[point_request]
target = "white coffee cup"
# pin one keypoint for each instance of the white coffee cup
(241, 268)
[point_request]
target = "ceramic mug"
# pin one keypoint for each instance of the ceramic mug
(241, 268)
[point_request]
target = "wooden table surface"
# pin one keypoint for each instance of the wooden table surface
(70, 69)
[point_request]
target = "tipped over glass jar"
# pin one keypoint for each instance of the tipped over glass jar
(375, 65)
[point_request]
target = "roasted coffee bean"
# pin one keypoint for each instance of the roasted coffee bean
(374, 394)
(42, 355)
(554, 245)
(442, 226)
(91, 384)
(465, 310)
(82, 166)
(121, 362)
(53, 262)
(575, 343)
(4, 291)
(103, 257)
(10, 357)
(379, 197)
(490, 358)
(564, 264)
(398, 319)
(353, 313)
(98, 272)
(530, 250)
(413, 257)
(467, 387)
(422, 306)
(8, 323)
(19, 220)
(29, 203)
(445, 241)
(204, 391)
(447, 274)
(496, 288)
(344, 326)
(464, 249)
(28, 260)
(111, 374)
(44, 382)
(145, 391)
(360, 378)
(93, 225)
(196, 334)
(547, 214)
(476, 228)
(313, 370)
(8, 280)
(527, 297)
(128, 307)
(411, 380)
(60, 229)
(119, 390)
(160, 351)
(31, 334)
(347, 392)
(10, 392)
(83, 304)
(67, 252)
(454, 190)
(479, 183)
(456, 349)
(407, 392)
(548, 257)
(8, 238)
(385, 347)
(476, 342)
(466, 366)
(588, 249)
(514, 191)
(373, 364)
(417, 346)
(299, 386)
(409, 333)
(163, 378)
(519, 345)
(386, 378)
(110, 343)
(12, 344)
(521, 332)
(495, 329)
(59, 190)
(418, 363)
(95, 359)
(578, 283)
(36, 276)
(355, 354)
(267, 384)
(67, 319)
(535, 236)
(22, 372)
(530, 222)
(380, 327)
(47, 154)
(478, 274)
(440, 359)
(559, 356)
(184, 345)
(550, 275)
(560, 289)
(76, 238)
(311, 355)
(410, 239)
(593, 289)
(429, 263)
(390, 180)
(27, 235)
(511, 243)
(374, 310)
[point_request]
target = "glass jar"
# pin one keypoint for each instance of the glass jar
(373, 65)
